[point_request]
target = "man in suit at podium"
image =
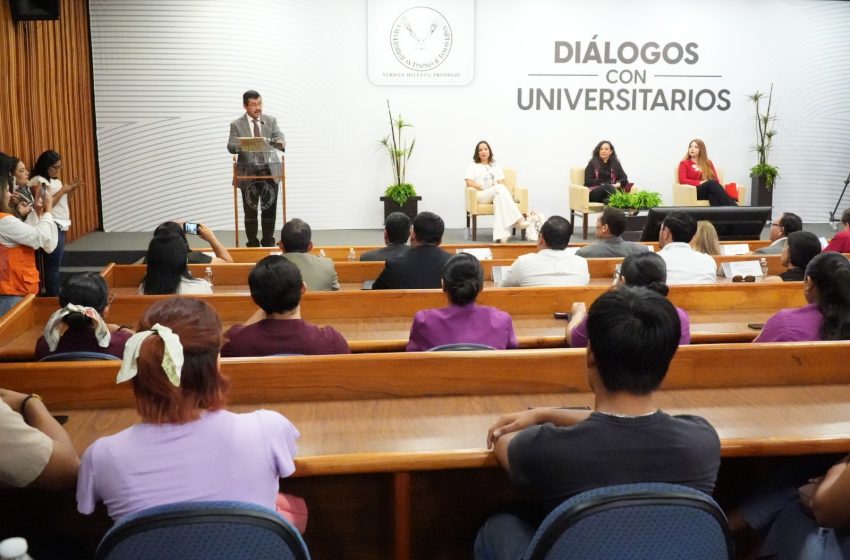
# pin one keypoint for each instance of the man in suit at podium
(257, 193)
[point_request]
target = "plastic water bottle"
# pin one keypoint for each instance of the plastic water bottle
(322, 253)
(763, 263)
(208, 275)
(14, 549)
(352, 256)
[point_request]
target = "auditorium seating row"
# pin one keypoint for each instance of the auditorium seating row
(392, 445)
(379, 321)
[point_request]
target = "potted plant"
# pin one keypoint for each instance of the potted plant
(763, 175)
(632, 202)
(400, 196)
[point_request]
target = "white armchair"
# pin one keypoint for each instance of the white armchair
(580, 199)
(686, 195)
(475, 208)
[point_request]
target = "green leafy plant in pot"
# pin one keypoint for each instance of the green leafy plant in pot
(763, 173)
(634, 201)
(399, 152)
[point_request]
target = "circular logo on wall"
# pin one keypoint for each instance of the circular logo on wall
(421, 38)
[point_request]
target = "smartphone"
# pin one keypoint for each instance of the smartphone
(563, 315)
(756, 326)
(190, 228)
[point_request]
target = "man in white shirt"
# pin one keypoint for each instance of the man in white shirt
(684, 265)
(551, 265)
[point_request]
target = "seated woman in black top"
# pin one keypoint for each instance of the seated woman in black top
(800, 248)
(604, 172)
(80, 326)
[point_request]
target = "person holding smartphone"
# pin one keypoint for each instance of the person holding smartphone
(45, 176)
(18, 242)
(181, 228)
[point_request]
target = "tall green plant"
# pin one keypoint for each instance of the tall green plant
(399, 153)
(765, 133)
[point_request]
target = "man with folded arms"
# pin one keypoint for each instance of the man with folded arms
(552, 454)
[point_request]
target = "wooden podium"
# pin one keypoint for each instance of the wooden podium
(247, 170)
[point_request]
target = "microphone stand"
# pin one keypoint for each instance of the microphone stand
(832, 219)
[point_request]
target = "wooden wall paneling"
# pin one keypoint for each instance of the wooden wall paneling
(46, 100)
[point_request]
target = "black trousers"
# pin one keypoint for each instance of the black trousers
(602, 192)
(259, 194)
(715, 194)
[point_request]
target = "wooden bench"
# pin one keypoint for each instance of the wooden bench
(379, 321)
(500, 251)
(233, 278)
(384, 436)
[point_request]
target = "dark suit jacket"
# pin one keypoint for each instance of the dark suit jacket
(385, 253)
(419, 267)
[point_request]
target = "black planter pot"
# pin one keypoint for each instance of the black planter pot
(762, 196)
(410, 207)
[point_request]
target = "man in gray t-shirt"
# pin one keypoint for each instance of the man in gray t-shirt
(553, 454)
(610, 225)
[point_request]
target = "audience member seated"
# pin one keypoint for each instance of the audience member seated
(462, 321)
(647, 270)
(684, 265)
(296, 243)
(36, 449)
(799, 250)
(80, 326)
(421, 266)
(827, 316)
(705, 239)
(552, 454)
(19, 276)
(396, 234)
(167, 271)
(780, 229)
(604, 173)
(841, 242)
(610, 225)
(807, 521)
(187, 446)
(697, 170)
(551, 265)
(277, 327)
(222, 255)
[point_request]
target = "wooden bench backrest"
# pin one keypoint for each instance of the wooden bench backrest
(401, 375)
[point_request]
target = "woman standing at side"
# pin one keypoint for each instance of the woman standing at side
(696, 170)
(486, 176)
(45, 175)
(18, 242)
(604, 172)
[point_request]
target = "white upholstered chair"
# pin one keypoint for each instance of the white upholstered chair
(580, 199)
(686, 195)
(475, 208)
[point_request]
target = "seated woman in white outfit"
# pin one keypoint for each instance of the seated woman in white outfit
(486, 176)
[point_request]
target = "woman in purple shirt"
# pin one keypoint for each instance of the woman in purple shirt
(827, 316)
(187, 446)
(462, 321)
(642, 269)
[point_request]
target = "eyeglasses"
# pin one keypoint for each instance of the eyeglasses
(58, 166)
(739, 278)
(775, 225)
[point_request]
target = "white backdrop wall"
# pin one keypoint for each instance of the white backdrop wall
(168, 79)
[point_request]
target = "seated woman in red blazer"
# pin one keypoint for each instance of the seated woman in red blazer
(697, 170)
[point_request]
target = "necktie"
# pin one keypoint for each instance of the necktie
(261, 158)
